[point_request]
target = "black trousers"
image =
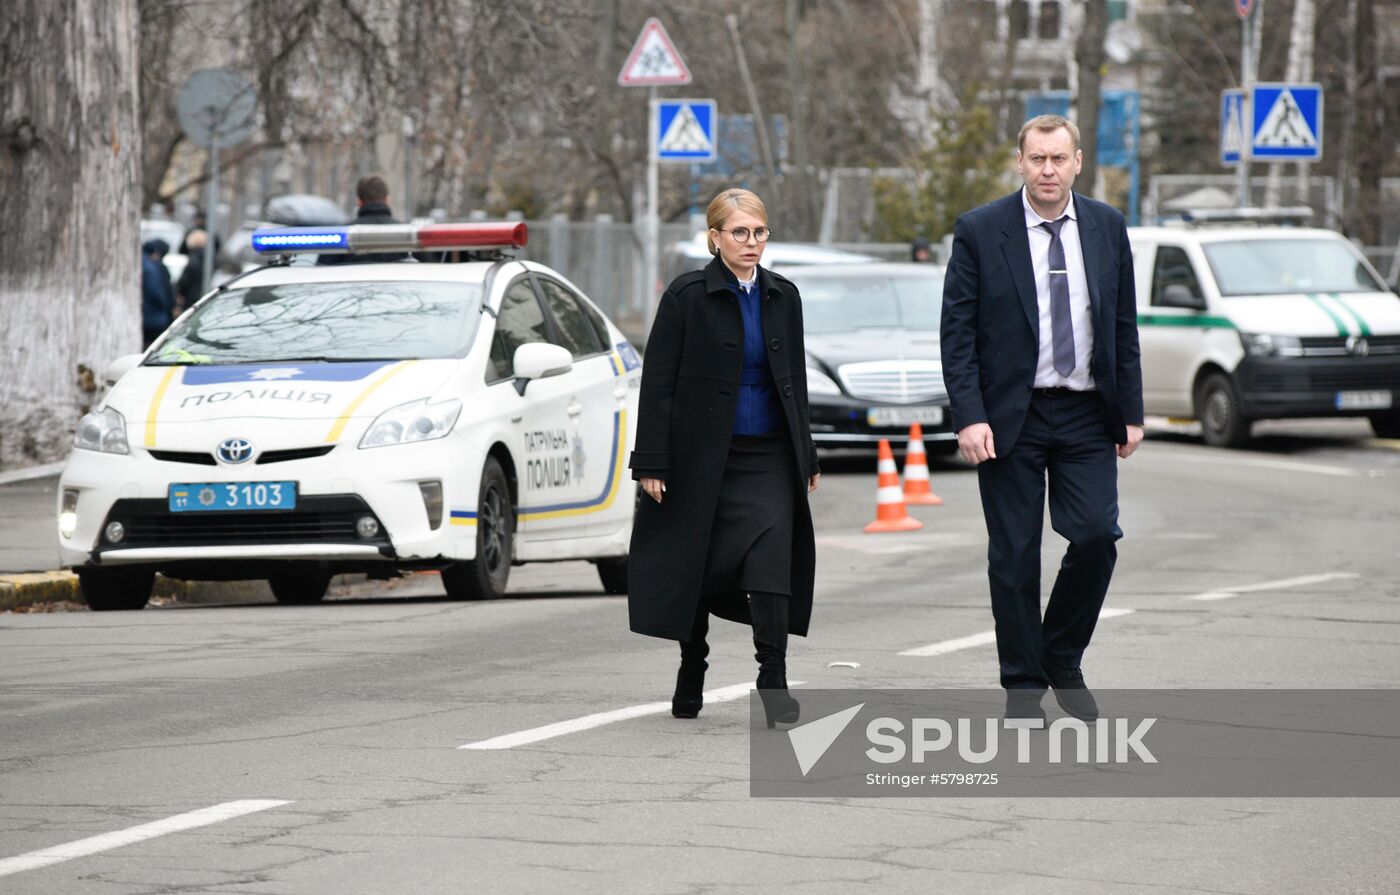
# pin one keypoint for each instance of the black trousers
(1064, 440)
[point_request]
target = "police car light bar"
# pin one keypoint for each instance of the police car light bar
(390, 238)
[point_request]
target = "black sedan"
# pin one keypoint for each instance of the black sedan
(873, 361)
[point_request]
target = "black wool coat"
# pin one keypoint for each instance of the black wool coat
(689, 394)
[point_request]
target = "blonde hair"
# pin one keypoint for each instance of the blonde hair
(725, 204)
(1047, 124)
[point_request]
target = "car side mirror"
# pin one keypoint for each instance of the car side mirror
(540, 360)
(120, 367)
(1178, 295)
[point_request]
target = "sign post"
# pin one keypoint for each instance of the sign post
(216, 110)
(1245, 8)
(654, 62)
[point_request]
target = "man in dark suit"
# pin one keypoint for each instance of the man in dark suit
(1040, 358)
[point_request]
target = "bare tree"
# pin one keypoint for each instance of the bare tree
(1089, 55)
(70, 150)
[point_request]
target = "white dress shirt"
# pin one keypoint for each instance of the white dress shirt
(1079, 308)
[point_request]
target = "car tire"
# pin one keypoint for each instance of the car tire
(299, 588)
(485, 577)
(613, 574)
(1386, 425)
(1223, 424)
(115, 590)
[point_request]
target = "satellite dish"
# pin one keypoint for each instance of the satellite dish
(217, 108)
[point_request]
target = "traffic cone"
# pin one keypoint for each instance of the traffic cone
(890, 514)
(916, 488)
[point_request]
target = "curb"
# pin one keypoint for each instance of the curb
(22, 590)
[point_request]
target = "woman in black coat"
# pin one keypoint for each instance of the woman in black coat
(725, 457)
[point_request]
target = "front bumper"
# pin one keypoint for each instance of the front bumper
(333, 492)
(1277, 388)
(843, 422)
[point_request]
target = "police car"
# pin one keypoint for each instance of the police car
(1242, 319)
(302, 421)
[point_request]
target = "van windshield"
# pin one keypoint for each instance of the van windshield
(326, 321)
(1258, 267)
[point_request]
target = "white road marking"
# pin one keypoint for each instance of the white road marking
(107, 841)
(1265, 463)
(1300, 581)
(588, 722)
(986, 637)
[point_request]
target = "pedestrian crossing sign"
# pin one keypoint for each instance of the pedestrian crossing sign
(1233, 112)
(1286, 122)
(686, 130)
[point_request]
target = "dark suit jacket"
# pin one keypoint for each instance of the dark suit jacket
(991, 320)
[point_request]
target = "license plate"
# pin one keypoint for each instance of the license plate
(197, 496)
(1378, 400)
(877, 417)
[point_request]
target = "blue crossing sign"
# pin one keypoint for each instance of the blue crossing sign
(685, 130)
(1286, 122)
(1233, 113)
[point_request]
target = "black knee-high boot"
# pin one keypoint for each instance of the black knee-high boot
(769, 613)
(690, 679)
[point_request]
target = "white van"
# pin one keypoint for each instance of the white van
(1245, 321)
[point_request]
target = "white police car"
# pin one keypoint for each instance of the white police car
(302, 421)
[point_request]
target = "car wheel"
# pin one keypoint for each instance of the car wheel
(115, 590)
(299, 588)
(613, 574)
(485, 577)
(1386, 425)
(1222, 422)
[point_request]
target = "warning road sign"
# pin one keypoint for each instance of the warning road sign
(654, 60)
(1232, 134)
(686, 130)
(1287, 122)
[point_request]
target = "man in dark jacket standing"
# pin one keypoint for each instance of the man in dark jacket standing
(157, 296)
(372, 197)
(1040, 357)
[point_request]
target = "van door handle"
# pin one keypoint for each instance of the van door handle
(575, 409)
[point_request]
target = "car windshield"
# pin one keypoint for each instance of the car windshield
(865, 301)
(327, 321)
(1259, 267)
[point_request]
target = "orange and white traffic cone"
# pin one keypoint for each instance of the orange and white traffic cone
(890, 514)
(916, 487)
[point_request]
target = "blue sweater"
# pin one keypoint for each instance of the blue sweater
(758, 411)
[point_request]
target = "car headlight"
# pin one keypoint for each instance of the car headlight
(818, 383)
(1265, 345)
(102, 430)
(414, 421)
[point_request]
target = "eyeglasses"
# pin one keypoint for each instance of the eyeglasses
(741, 234)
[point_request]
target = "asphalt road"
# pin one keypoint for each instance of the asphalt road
(328, 734)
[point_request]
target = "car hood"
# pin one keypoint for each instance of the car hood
(1316, 313)
(854, 346)
(306, 392)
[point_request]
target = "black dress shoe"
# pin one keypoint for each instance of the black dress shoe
(1071, 692)
(1024, 704)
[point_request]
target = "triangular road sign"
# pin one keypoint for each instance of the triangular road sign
(1234, 130)
(654, 60)
(1284, 127)
(685, 134)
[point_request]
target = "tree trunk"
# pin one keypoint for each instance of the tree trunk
(1374, 133)
(1089, 54)
(800, 185)
(70, 154)
(1300, 70)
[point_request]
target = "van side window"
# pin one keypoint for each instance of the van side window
(520, 321)
(1173, 268)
